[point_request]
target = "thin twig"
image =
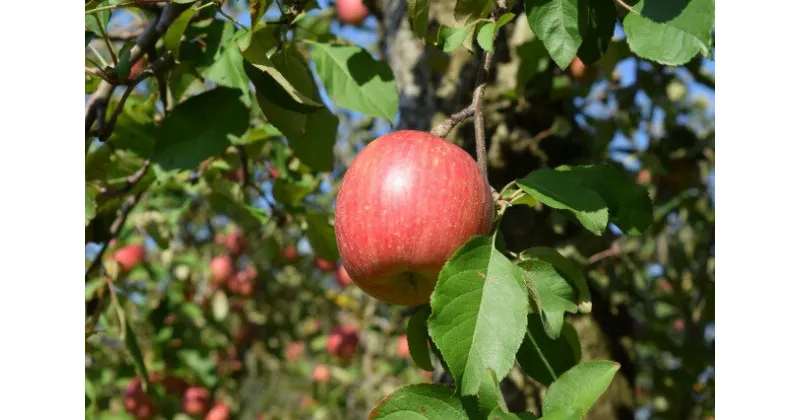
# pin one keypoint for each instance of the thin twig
(116, 227)
(111, 7)
(613, 250)
(443, 128)
(96, 73)
(625, 5)
(155, 29)
(110, 47)
(99, 56)
(226, 16)
(477, 97)
(245, 173)
(130, 182)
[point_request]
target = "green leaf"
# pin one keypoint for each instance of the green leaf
(97, 22)
(602, 16)
(123, 67)
(670, 33)
(559, 190)
(228, 70)
(470, 11)
(417, 333)
(321, 236)
(580, 387)
(418, 11)
(543, 358)
(256, 54)
(557, 24)
(199, 128)
(292, 193)
(316, 27)
(629, 204)
(172, 39)
(562, 413)
(570, 272)
(91, 207)
(487, 31)
(499, 414)
(449, 39)
(356, 81)
(257, 9)
(420, 402)
(135, 353)
(479, 310)
(87, 35)
(315, 147)
(551, 293)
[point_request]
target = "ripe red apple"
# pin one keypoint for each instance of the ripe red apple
(196, 400)
(137, 402)
(130, 256)
(402, 347)
(342, 277)
(294, 350)
(406, 203)
(136, 68)
(352, 12)
(324, 265)
(321, 374)
(242, 283)
(221, 411)
(172, 384)
(236, 243)
(221, 269)
(342, 342)
(289, 253)
(580, 71)
(644, 177)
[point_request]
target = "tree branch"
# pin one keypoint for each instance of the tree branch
(443, 128)
(116, 227)
(146, 40)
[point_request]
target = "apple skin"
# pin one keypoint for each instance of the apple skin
(137, 402)
(342, 277)
(352, 12)
(243, 283)
(130, 256)
(221, 269)
(342, 342)
(321, 374)
(289, 253)
(136, 69)
(406, 203)
(196, 400)
(324, 265)
(294, 350)
(236, 243)
(402, 347)
(220, 411)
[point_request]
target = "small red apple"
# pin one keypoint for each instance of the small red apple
(221, 411)
(137, 68)
(342, 342)
(130, 256)
(406, 203)
(324, 265)
(235, 175)
(242, 284)
(402, 347)
(352, 12)
(342, 277)
(307, 401)
(289, 253)
(321, 374)
(294, 350)
(236, 243)
(644, 177)
(221, 269)
(196, 400)
(137, 402)
(580, 71)
(679, 324)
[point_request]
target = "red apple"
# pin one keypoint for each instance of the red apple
(136, 68)
(172, 384)
(324, 265)
(342, 342)
(294, 350)
(406, 203)
(196, 400)
(221, 269)
(342, 277)
(352, 12)
(137, 402)
(307, 401)
(242, 284)
(644, 177)
(221, 411)
(321, 374)
(580, 71)
(289, 253)
(402, 347)
(130, 256)
(236, 243)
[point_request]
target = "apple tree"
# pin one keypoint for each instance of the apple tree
(399, 209)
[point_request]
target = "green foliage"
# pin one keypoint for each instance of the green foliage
(236, 133)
